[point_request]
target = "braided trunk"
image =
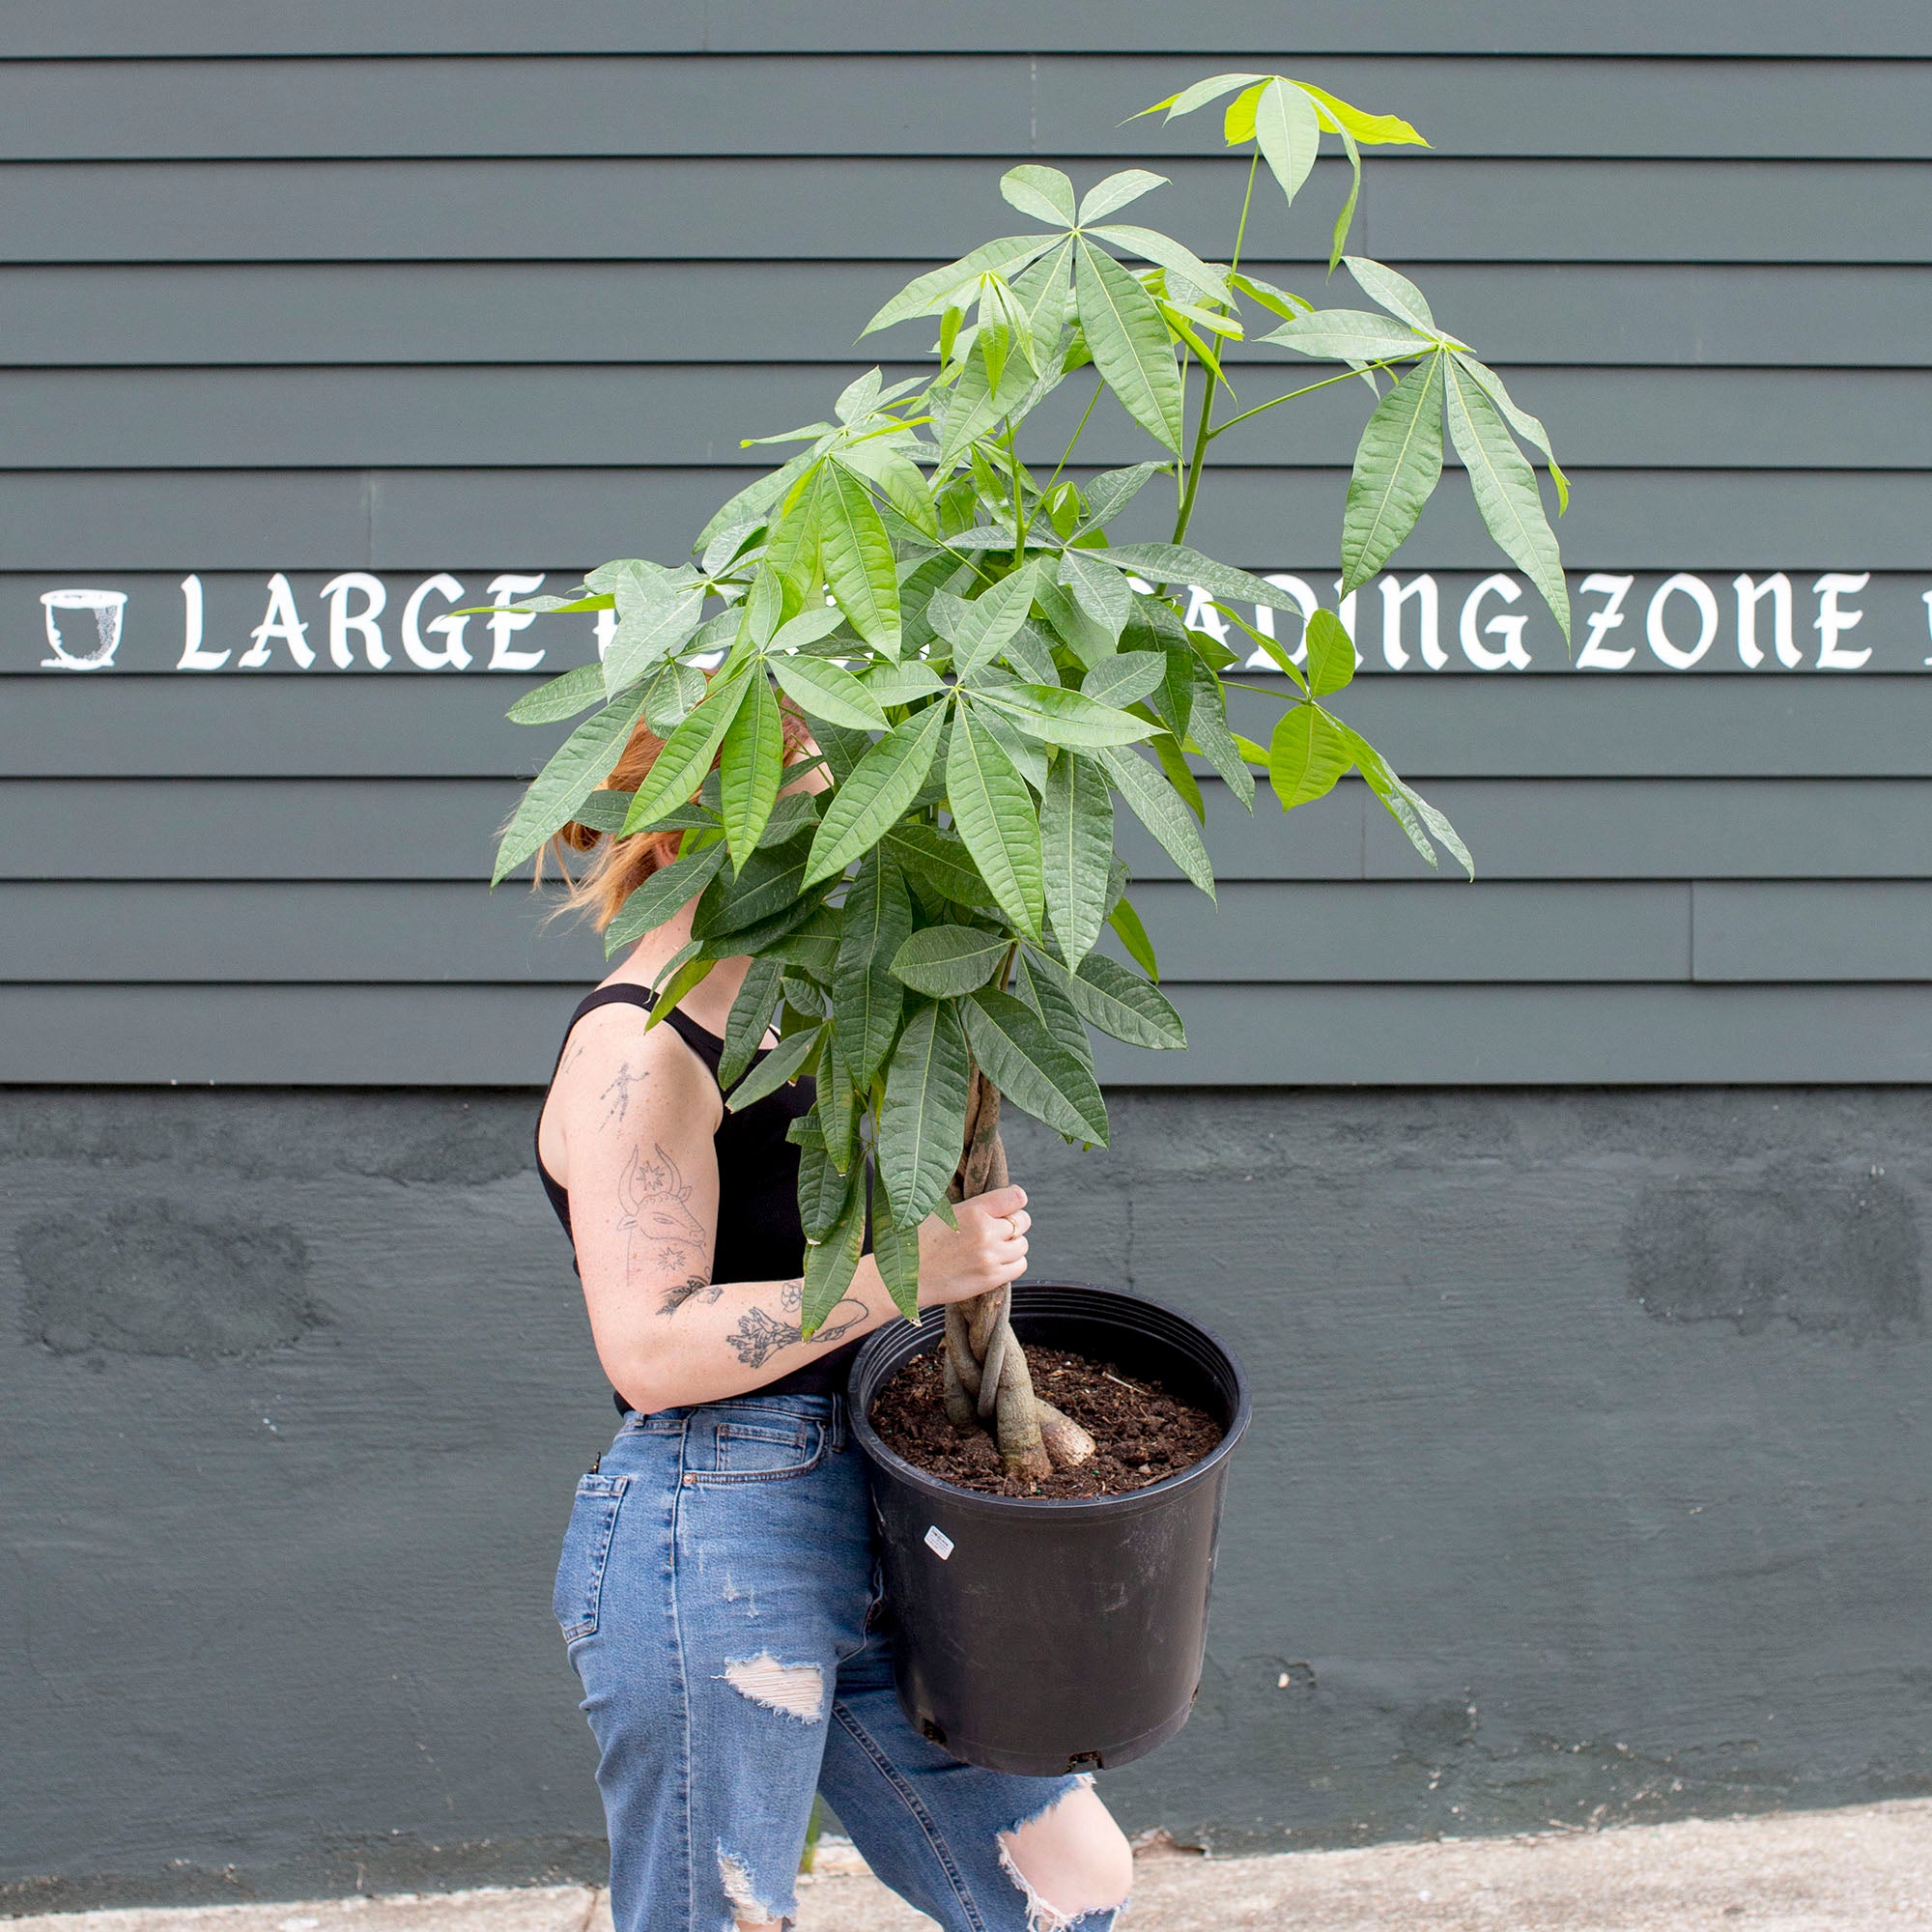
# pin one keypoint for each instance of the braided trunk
(988, 1381)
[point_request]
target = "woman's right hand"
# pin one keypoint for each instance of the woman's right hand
(985, 1251)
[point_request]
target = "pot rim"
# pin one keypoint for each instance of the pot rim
(1071, 1508)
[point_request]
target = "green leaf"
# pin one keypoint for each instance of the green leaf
(1044, 193)
(750, 1017)
(1350, 335)
(1057, 715)
(769, 886)
(857, 558)
(1086, 637)
(1046, 995)
(822, 1190)
(898, 476)
(647, 634)
(1331, 654)
(895, 1251)
(822, 689)
(1030, 1068)
(560, 699)
(1120, 1002)
(1152, 801)
(1398, 463)
(988, 623)
(923, 1121)
(1287, 133)
(926, 295)
(1277, 302)
(837, 1107)
(751, 767)
(1395, 292)
(1181, 777)
(1030, 652)
(1339, 239)
(1123, 679)
(780, 1066)
(945, 962)
(1522, 421)
(1200, 93)
(791, 551)
(681, 765)
(755, 498)
(1307, 754)
(901, 683)
(575, 770)
(1102, 593)
(1110, 492)
(993, 813)
(880, 787)
(1132, 934)
(1207, 728)
(830, 1264)
(1177, 563)
(1116, 191)
(1129, 342)
(940, 861)
(1155, 247)
(1406, 805)
(670, 694)
(866, 1001)
(660, 895)
(1076, 831)
(1505, 489)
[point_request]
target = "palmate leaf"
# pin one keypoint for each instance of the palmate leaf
(1331, 654)
(830, 1264)
(866, 1001)
(1307, 754)
(1120, 1002)
(1287, 133)
(945, 962)
(560, 699)
(751, 1017)
(1153, 802)
(681, 765)
(751, 767)
(895, 1251)
(1044, 193)
(926, 295)
(993, 813)
(856, 556)
(822, 689)
(1398, 463)
(1057, 715)
(1505, 489)
(923, 1121)
(1032, 1068)
(1177, 563)
(1116, 191)
(1350, 335)
(1129, 343)
(660, 895)
(876, 793)
(986, 625)
(575, 770)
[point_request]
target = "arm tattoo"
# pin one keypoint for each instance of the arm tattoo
(759, 1334)
(666, 1236)
(618, 1093)
(698, 1288)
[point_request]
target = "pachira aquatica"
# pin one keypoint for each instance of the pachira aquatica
(990, 679)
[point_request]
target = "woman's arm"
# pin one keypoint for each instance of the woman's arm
(638, 1112)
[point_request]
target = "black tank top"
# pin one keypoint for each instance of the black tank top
(759, 1235)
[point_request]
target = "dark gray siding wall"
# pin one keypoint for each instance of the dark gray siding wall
(1587, 1480)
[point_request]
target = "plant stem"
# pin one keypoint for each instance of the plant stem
(1204, 430)
(1293, 393)
(1077, 428)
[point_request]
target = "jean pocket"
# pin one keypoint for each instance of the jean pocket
(579, 1594)
(764, 1451)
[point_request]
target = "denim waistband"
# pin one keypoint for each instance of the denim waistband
(828, 1409)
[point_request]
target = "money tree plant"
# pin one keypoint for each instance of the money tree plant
(989, 679)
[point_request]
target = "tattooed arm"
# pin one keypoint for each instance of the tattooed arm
(629, 1133)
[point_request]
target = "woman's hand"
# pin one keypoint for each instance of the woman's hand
(988, 1250)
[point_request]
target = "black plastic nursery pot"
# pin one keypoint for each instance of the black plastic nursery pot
(1041, 1637)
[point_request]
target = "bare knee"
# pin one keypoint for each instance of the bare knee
(1070, 1859)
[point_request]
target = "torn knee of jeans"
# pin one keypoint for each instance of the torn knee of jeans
(798, 1690)
(742, 1896)
(1063, 1901)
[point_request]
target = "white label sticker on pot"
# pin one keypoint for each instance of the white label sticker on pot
(939, 1543)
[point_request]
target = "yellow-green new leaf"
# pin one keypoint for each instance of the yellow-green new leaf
(1132, 934)
(1505, 489)
(1377, 130)
(874, 795)
(1307, 754)
(1398, 463)
(1129, 343)
(1331, 654)
(993, 813)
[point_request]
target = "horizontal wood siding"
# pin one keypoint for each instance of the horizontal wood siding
(472, 286)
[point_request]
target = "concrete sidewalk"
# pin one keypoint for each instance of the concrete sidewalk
(1867, 1869)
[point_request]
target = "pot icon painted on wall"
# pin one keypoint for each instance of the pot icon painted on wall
(106, 606)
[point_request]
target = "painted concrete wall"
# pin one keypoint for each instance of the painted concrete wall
(1589, 1477)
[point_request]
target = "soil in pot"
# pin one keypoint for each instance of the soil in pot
(1142, 1433)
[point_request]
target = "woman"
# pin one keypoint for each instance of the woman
(717, 1588)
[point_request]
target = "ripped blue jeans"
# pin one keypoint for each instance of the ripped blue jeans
(717, 1598)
